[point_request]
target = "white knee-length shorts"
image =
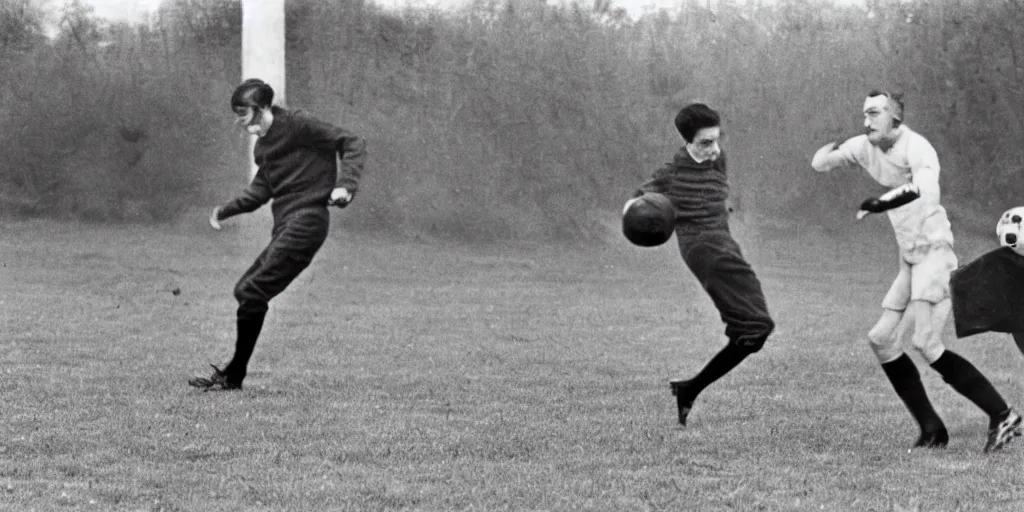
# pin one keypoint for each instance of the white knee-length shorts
(924, 275)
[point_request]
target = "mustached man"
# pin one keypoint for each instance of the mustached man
(903, 160)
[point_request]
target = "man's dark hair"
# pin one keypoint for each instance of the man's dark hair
(252, 93)
(895, 104)
(695, 117)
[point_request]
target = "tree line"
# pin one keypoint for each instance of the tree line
(506, 119)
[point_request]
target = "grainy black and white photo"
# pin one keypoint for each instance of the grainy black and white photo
(524, 255)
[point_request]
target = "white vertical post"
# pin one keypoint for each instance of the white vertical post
(263, 51)
(152, 13)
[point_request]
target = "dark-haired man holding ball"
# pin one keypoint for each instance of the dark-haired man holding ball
(696, 183)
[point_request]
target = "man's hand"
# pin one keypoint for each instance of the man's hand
(340, 197)
(214, 221)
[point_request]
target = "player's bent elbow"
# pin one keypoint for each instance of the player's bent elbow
(824, 159)
(821, 165)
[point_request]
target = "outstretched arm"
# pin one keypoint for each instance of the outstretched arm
(894, 198)
(923, 186)
(828, 157)
(255, 195)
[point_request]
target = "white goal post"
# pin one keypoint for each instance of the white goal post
(263, 55)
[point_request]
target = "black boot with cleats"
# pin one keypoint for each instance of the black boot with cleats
(217, 381)
(1003, 429)
(937, 438)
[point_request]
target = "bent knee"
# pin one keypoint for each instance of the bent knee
(246, 290)
(880, 336)
(249, 295)
(754, 339)
(884, 344)
(928, 345)
(248, 308)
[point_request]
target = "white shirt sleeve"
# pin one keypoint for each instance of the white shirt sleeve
(853, 151)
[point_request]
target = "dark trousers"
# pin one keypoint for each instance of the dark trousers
(294, 242)
(716, 261)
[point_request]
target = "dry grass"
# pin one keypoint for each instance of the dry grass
(400, 376)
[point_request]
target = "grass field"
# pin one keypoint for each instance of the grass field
(428, 376)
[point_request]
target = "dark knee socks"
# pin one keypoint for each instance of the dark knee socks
(906, 380)
(719, 365)
(962, 376)
(249, 326)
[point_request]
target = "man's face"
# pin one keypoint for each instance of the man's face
(878, 120)
(249, 118)
(705, 146)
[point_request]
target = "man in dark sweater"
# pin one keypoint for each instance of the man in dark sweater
(304, 166)
(696, 183)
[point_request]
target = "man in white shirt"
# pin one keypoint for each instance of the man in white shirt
(903, 160)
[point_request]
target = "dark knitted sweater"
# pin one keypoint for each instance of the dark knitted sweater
(698, 191)
(298, 167)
